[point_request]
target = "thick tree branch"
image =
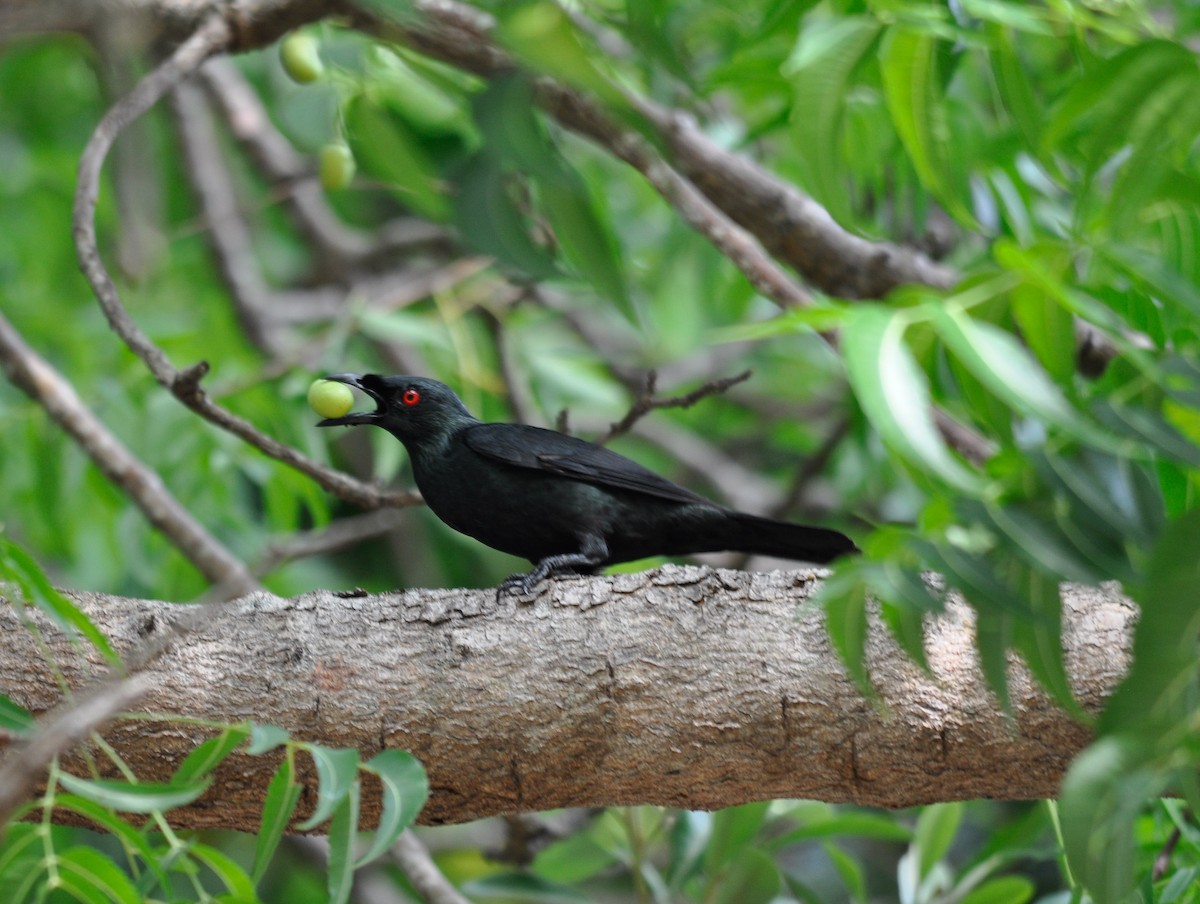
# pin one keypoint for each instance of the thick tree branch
(679, 686)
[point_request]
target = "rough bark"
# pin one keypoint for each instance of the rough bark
(680, 686)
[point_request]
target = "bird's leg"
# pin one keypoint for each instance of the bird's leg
(593, 551)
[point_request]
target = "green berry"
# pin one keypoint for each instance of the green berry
(300, 57)
(337, 166)
(330, 399)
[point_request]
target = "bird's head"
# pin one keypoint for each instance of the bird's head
(412, 409)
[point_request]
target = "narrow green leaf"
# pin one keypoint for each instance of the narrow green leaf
(343, 830)
(264, 738)
(232, 876)
(90, 876)
(733, 830)
(908, 60)
(753, 878)
(542, 36)
(1149, 427)
(1047, 328)
(848, 825)
(895, 394)
(993, 637)
(1016, 91)
(489, 219)
(19, 567)
(1040, 639)
(105, 819)
(1008, 370)
(1003, 890)
(936, 827)
(405, 790)
(849, 870)
(1151, 272)
(1151, 698)
(142, 798)
(336, 771)
(846, 624)
(210, 754)
(283, 794)
(907, 626)
(1038, 541)
(523, 887)
(586, 240)
(385, 148)
(826, 54)
(1102, 793)
(690, 834)
(14, 719)
(1098, 109)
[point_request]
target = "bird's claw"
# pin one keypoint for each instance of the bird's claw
(521, 584)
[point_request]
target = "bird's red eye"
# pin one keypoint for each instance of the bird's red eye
(410, 397)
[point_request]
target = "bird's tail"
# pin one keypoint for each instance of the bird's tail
(783, 540)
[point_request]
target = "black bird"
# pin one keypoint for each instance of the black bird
(566, 505)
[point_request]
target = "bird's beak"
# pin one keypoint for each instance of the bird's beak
(355, 417)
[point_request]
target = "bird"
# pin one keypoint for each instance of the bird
(569, 506)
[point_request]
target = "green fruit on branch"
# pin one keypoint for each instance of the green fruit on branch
(330, 399)
(300, 57)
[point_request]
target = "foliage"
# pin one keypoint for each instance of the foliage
(1049, 150)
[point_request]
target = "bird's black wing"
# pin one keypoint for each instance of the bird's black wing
(567, 456)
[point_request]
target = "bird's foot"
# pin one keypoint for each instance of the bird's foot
(521, 584)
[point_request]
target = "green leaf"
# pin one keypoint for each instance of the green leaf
(1098, 109)
(993, 637)
(542, 36)
(90, 876)
(690, 835)
(1047, 328)
(753, 878)
(232, 876)
(14, 719)
(1040, 640)
(849, 870)
(1002, 364)
(336, 771)
(283, 793)
(385, 148)
(895, 394)
(523, 887)
(488, 218)
(1152, 697)
(146, 797)
(207, 756)
(849, 824)
(1150, 427)
(1155, 275)
(343, 830)
(1102, 794)
(405, 790)
(936, 827)
(845, 604)
(826, 54)
(1004, 890)
(733, 830)
(264, 738)
(912, 83)
(18, 567)
(130, 837)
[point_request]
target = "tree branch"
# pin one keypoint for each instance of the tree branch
(42, 383)
(678, 686)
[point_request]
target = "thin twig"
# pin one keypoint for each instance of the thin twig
(184, 384)
(338, 535)
(646, 402)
